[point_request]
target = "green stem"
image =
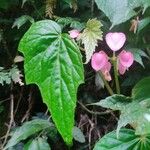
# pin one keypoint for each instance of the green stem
(109, 89)
(116, 73)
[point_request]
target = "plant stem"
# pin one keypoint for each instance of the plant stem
(116, 73)
(92, 112)
(109, 89)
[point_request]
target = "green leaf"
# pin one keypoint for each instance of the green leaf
(115, 102)
(22, 20)
(78, 135)
(138, 54)
(38, 144)
(90, 36)
(4, 76)
(143, 23)
(53, 62)
(120, 11)
(127, 141)
(73, 23)
(141, 90)
(26, 130)
(16, 75)
(134, 114)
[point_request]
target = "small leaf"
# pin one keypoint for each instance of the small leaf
(75, 24)
(16, 75)
(143, 23)
(141, 90)
(127, 141)
(26, 130)
(138, 54)
(115, 102)
(39, 144)
(53, 62)
(18, 59)
(90, 36)
(4, 76)
(78, 135)
(22, 20)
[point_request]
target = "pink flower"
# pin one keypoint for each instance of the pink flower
(121, 69)
(125, 59)
(107, 67)
(106, 71)
(107, 76)
(115, 40)
(99, 60)
(74, 33)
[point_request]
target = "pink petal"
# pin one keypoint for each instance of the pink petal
(105, 70)
(107, 67)
(122, 69)
(107, 76)
(115, 40)
(126, 58)
(74, 33)
(99, 60)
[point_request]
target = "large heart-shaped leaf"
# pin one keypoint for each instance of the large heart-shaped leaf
(127, 141)
(120, 11)
(53, 62)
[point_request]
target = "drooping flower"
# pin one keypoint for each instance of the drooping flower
(106, 71)
(121, 69)
(107, 67)
(99, 60)
(125, 60)
(115, 40)
(74, 33)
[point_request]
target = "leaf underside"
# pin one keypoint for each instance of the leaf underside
(120, 11)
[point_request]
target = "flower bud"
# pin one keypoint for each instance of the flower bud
(74, 33)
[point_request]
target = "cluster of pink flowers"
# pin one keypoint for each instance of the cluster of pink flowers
(100, 60)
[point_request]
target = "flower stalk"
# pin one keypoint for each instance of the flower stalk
(114, 60)
(109, 89)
